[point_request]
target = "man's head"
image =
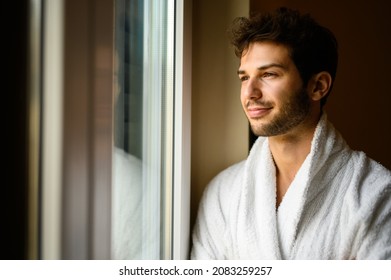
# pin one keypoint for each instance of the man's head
(312, 48)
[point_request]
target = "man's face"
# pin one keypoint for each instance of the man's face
(272, 92)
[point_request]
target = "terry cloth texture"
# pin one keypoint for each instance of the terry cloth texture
(337, 207)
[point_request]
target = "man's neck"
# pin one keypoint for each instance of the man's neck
(289, 152)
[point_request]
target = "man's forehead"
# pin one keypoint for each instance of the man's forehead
(262, 55)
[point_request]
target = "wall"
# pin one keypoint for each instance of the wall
(219, 126)
(359, 103)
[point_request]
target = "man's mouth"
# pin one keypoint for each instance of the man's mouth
(258, 111)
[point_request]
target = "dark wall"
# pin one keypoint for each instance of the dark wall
(359, 105)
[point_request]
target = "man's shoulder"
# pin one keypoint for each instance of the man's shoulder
(226, 181)
(367, 206)
(229, 175)
(370, 184)
(370, 171)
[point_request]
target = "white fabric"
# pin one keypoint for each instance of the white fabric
(337, 207)
(127, 207)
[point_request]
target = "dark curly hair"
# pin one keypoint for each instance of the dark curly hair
(313, 48)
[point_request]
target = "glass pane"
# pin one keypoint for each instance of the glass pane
(143, 125)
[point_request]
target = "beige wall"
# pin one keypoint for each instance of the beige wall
(359, 105)
(219, 127)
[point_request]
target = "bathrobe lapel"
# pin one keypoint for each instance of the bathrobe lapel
(257, 226)
(267, 233)
(291, 209)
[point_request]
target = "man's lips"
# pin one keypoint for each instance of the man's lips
(257, 112)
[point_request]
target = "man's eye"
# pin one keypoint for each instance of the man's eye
(268, 75)
(243, 78)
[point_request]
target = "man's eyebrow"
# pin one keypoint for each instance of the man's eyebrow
(264, 67)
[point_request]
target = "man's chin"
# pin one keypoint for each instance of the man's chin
(266, 130)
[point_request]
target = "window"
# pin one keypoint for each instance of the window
(144, 130)
(122, 164)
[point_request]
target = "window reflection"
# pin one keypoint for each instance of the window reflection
(141, 162)
(127, 158)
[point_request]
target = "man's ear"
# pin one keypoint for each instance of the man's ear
(319, 85)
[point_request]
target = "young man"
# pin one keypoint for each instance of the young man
(302, 193)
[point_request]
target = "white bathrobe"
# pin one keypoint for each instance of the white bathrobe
(337, 207)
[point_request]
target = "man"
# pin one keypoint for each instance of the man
(302, 193)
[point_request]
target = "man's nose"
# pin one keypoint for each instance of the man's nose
(253, 89)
